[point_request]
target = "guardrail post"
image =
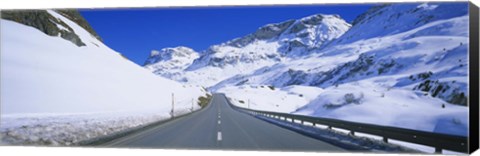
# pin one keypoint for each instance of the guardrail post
(301, 121)
(313, 124)
(438, 150)
(172, 112)
(385, 139)
(352, 132)
(293, 120)
(329, 127)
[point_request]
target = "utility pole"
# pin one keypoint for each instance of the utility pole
(173, 106)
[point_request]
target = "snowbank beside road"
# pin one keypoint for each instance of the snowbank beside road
(362, 101)
(54, 92)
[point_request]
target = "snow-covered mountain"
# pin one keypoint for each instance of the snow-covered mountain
(393, 64)
(427, 40)
(269, 45)
(59, 89)
(170, 62)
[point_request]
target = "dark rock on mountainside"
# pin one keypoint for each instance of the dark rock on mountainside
(43, 21)
(263, 33)
(76, 17)
(272, 30)
(373, 11)
(449, 91)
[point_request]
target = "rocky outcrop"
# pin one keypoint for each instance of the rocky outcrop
(48, 24)
(76, 17)
(450, 91)
(263, 33)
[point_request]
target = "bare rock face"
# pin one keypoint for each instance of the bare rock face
(43, 21)
(263, 33)
(449, 91)
(307, 22)
(273, 30)
(76, 17)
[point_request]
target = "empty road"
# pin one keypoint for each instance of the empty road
(218, 126)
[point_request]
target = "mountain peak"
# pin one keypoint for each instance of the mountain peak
(167, 62)
(273, 30)
(318, 18)
(167, 54)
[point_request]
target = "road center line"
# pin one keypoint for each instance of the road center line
(219, 122)
(219, 136)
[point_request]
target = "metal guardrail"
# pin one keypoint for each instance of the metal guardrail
(436, 140)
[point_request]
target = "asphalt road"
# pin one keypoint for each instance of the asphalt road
(218, 126)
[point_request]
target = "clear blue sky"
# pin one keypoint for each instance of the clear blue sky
(135, 32)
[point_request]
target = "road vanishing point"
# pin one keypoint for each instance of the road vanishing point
(219, 126)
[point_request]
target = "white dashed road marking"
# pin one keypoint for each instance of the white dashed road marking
(219, 136)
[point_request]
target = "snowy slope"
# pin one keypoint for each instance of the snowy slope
(269, 98)
(46, 80)
(269, 45)
(394, 64)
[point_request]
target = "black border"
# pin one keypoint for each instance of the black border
(473, 72)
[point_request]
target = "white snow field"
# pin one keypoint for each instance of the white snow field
(54, 92)
(269, 98)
